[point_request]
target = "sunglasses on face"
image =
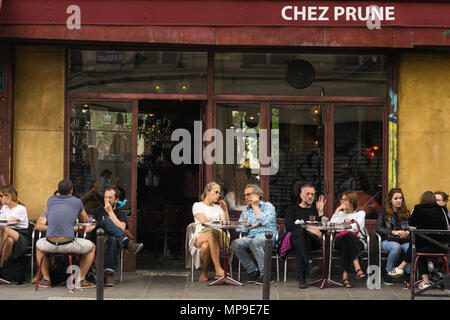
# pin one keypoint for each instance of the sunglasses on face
(217, 192)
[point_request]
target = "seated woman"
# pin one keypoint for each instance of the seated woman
(426, 215)
(349, 243)
(13, 240)
(441, 199)
(207, 239)
(394, 240)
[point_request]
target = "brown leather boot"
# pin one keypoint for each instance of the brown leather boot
(134, 247)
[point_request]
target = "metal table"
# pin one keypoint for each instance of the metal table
(225, 251)
(326, 251)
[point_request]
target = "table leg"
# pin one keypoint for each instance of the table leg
(225, 279)
(326, 255)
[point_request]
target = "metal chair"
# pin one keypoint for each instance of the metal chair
(174, 224)
(382, 256)
(445, 268)
(364, 255)
(313, 254)
(274, 256)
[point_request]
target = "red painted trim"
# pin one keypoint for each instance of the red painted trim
(329, 159)
(212, 13)
(297, 99)
(292, 37)
(134, 96)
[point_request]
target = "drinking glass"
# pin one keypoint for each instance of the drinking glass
(312, 218)
(90, 219)
(244, 218)
(405, 225)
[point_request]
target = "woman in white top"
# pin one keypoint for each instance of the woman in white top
(13, 240)
(205, 238)
(349, 243)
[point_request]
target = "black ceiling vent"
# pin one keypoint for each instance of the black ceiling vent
(300, 74)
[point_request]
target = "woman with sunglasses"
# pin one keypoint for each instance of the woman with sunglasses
(13, 240)
(390, 221)
(207, 239)
(349, 243)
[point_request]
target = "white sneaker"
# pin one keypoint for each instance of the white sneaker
(424, 285)
(396, 273)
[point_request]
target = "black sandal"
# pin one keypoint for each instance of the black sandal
(347, 283)
(360, 276)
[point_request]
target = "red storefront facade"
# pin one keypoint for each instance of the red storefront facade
(217, 31)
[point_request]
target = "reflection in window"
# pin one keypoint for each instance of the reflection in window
(301, 153)
(334, 74)
(100, 150)
(244, 168)
(137, 71)
(358, 162)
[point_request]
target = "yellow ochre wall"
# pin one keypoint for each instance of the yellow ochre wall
(423, 125)
(38, 124)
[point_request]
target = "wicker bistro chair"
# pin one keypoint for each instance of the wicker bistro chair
(274, 256)
(364, 255)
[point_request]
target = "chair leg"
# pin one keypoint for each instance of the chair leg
(71, 273)
(278, 269)
(39, 271)
(239, 271)
(285, 269)
(121, 265)
(165, 246)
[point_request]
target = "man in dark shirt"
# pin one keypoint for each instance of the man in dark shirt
(304, 240)
(114, 222)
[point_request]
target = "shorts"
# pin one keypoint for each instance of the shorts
(77, 246)
(20, 246)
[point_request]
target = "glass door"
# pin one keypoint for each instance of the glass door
(358, 155)
(101, 150)
(301, 152)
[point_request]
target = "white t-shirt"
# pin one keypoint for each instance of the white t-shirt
(359, 216)
(211, 213)
(19, 212)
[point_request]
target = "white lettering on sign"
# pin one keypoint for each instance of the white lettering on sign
(350, 13)
(74, 20)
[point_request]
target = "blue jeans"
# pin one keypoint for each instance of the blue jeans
(395, 250)
(115, 240)
(241, 248)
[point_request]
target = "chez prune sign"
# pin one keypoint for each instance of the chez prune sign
(337, 13)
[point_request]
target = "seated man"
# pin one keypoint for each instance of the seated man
(304, 240)
(114, 222)
(262, 218)
(62, 212)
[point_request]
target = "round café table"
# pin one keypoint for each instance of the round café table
(326, 250)
(225, 251)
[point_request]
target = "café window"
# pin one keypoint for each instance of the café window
(100, 150)
(234, 175)
(362, 75)
(165, 72)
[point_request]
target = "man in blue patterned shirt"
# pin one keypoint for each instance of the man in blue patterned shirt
(260, 217)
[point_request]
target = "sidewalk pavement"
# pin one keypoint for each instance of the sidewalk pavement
(177, 285)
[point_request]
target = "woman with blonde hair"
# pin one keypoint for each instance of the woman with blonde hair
(207, 239)
(13, 240)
